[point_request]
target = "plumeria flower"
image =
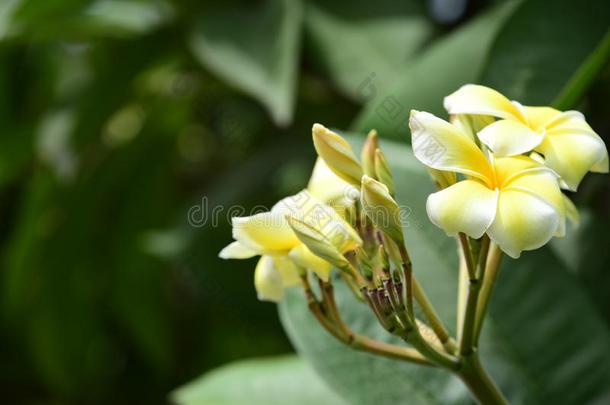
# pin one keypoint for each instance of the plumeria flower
(569, 146)
(515, 200)
(283, 255)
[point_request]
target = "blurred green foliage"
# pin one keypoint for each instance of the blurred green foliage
(117, 117)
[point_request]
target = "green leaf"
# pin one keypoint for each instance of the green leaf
(542, 336)
(271, 381)
(82, 19)
(543, 45)
(447, 64)
(255, 51)
(357, 42)
(585, 252)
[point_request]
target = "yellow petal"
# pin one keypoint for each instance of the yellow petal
(544, 184)
(326, 186)
(510, 137)
(287, 269)
(539, 117)
(236, 250)
(523, 222)
(442, 146)
(268, 281)
(481, 100)
(571, 211)
(337, 153)
(572, 153)
(303, 257)
(467, 206)
(267, 232)
(507, 168)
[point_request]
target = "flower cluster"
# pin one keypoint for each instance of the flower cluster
(500, 167)
(512, 162)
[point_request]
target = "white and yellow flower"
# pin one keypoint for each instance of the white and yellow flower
(569, 146)
(283, 255)
(515, 200)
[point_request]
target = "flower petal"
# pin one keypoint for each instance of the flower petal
(573, 152)
(236, 250)
(304, 258)
(268, 281)
(440, 145)
(509, 138)
(287, 269)
(267, 232)
(320, 216)
(325, 185)
(523, 222)
(467, 206)
(539, 117)
(481, 100)
(544, 184)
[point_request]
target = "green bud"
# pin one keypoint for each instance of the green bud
(317, 243)
(381, 208)
(382, 169)
(368, 154)
(337, 153)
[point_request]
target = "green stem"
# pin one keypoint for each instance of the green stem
(467, 256)
(491, 274)
(467, 342)
(435, 321)
(479, 383)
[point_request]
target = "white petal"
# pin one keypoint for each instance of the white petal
(236, 250)
(442, 146)
(509, 138)
(467, 206)
(523, 222)
(481, 100)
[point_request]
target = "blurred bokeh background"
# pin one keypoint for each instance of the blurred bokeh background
(124, 123)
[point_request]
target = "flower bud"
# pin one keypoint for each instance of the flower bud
(471, 124)
(443, 179)
(381, 208)
(368, 154)
(315, 241)
(382, 169)
(337, 153)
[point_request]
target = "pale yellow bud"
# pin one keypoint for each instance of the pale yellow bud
(381, 208)
(337, 153)
(382, 169)
(443, 179)
(317, 243)
(368, 154)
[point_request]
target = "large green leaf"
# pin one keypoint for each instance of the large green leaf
(442, 68)
(543, 333)
(256, 51)
(543, 45)
(585, 252)
(360, 44)
(272, 381)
